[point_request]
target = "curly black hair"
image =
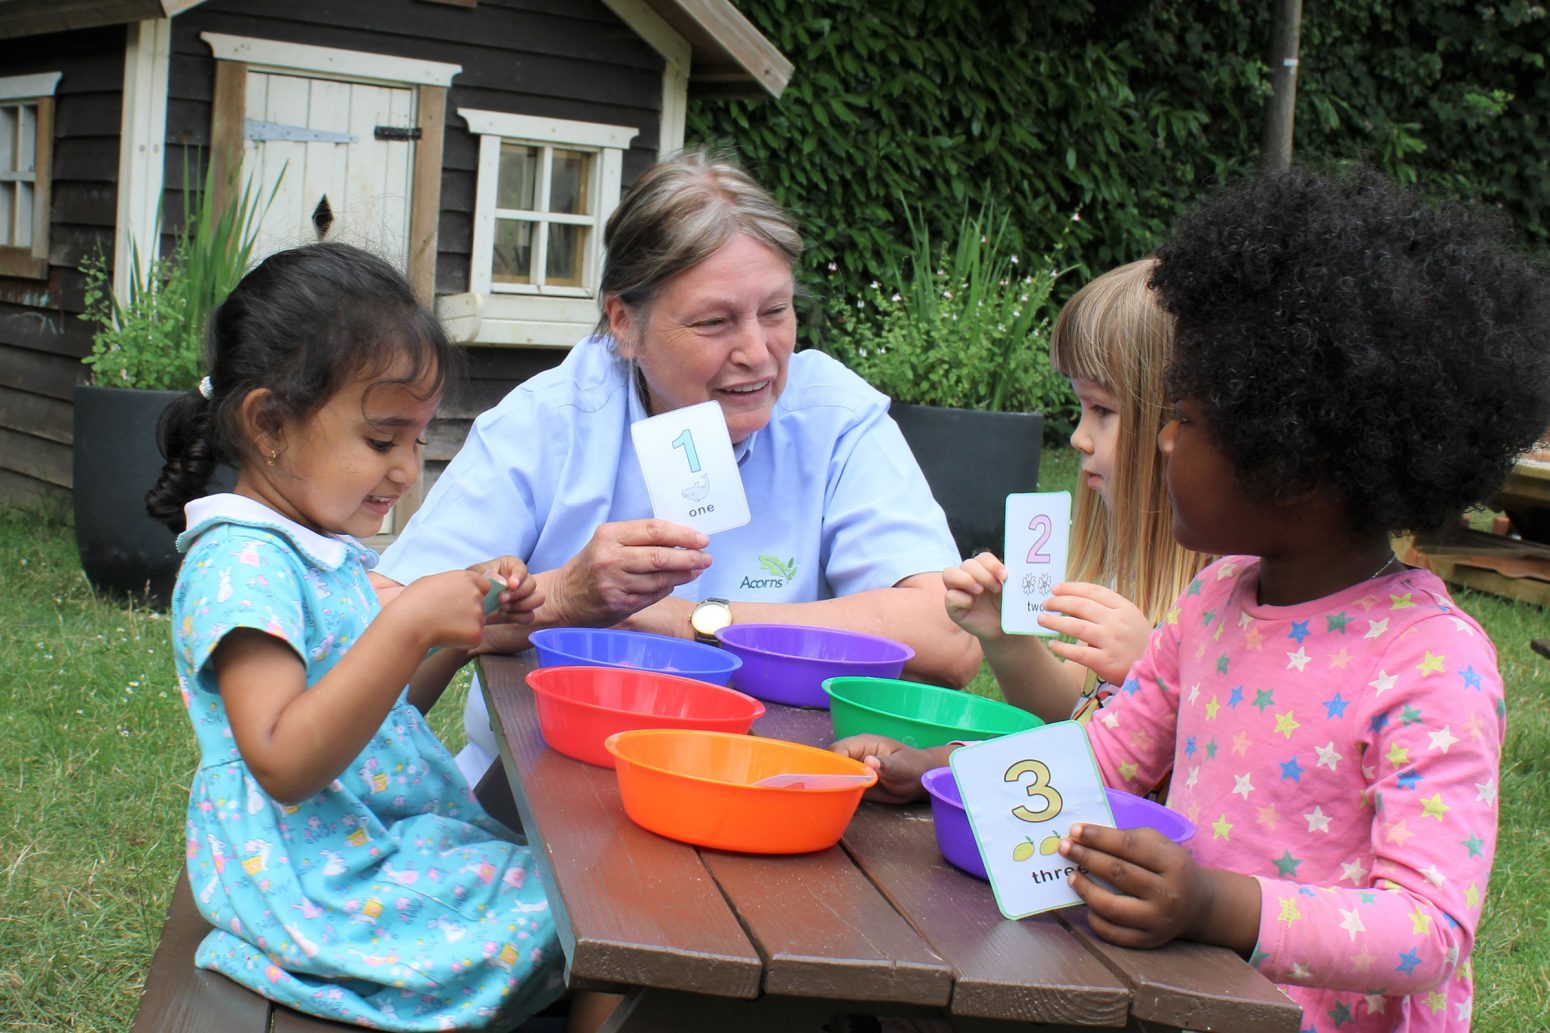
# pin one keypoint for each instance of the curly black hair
(1339, 332)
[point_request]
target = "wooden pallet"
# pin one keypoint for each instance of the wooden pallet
(1487, 562)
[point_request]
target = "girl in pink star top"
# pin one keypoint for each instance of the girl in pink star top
(1349, 362)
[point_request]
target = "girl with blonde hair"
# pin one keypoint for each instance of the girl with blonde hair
(1113, 341)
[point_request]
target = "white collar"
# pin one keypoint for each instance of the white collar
(326, 551)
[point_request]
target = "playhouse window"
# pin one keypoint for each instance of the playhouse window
(545, 188)
(26, 141)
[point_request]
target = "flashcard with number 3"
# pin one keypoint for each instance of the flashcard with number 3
(1038, 541)
(691, 473)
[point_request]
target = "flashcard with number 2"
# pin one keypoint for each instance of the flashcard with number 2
(691, 473)
(1038, 541)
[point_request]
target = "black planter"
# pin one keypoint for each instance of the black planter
(124, 553)
(973, 461)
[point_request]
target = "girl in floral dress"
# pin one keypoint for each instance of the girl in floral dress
(331, 842)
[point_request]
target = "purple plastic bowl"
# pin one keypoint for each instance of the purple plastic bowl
(787, 663)
(955, 838)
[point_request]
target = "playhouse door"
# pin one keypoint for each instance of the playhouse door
(340, 157)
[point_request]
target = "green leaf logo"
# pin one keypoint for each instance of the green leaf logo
(787, 570)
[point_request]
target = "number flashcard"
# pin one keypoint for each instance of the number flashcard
(691, 473)
(1023, 792)
(1038, 540)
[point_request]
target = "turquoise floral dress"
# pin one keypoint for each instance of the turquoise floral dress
(390, 899)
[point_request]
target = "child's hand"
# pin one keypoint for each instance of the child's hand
(1164, 894)
(442, 609)
(898, 766)
(1110, 632)
(520, 599)
(974, 595)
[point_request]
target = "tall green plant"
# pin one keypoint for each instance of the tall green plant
(962, 322)
(155, 338)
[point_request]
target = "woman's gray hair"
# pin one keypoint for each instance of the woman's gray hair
(679, 213)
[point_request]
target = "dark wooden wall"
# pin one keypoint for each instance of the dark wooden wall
(570, 59)
(42, 340)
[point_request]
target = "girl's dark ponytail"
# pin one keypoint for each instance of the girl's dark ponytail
(184, 435)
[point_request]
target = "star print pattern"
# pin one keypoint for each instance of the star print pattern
(1361, 793)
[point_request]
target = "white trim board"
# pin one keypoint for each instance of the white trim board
(141, 150)
(356, 65)
(547, 130)
(677, 56)
(29, 87)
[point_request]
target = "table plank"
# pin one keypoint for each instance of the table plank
(614, 886)
(826, 932)
(1192, 985)
(957, 914)
(992, 956)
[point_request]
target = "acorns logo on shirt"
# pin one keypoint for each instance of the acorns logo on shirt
(779, 572)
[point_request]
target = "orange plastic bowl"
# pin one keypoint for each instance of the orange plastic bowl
(579, 707)
(696, 786)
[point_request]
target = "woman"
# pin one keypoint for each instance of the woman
(697, 297)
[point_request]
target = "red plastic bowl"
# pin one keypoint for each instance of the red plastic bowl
(579, 707)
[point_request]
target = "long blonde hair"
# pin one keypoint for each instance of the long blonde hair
(1113, 333)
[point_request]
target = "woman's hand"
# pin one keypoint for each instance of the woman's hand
(1163, 894)
(1111, 632)
(974, 595)
(626, 567)
(898, 766)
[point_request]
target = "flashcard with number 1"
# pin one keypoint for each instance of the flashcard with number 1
(1038, 541)
(691, 473)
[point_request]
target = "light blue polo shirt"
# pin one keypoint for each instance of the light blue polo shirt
(838, 503)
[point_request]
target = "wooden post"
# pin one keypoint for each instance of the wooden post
(1286, 26)
(227, 110)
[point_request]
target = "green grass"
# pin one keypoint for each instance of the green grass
(95, 756)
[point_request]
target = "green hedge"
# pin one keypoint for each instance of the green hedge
(1122, 111)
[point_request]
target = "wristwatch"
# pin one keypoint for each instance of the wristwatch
(709, 617)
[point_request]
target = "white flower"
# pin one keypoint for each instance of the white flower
(875, 285)
(897, 297)
(860, 303)
(1076, 216)
(833, 267)
(947, 294)
(1014, 259)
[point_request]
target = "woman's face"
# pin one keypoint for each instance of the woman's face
(723, 330)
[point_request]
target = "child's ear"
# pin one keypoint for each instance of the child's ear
(261, 423)
(621, 325)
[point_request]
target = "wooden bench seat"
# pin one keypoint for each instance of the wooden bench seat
(179, 998)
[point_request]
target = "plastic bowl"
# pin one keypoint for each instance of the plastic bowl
(637, 650)
(919, 715)
(579, 707)
(955, 838)
(787, 663)
(696, 786)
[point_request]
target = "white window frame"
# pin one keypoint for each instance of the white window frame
(555, 315)
(30, 260)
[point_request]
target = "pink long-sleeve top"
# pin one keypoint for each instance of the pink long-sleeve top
(1345, 753)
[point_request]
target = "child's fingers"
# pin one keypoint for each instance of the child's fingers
(1078, 607)
(1100, 594)
(961, 581)
(991, 563)
(1075, 627)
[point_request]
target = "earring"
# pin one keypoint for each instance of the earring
(273, 455)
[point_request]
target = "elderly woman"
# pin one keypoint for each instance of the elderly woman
(697, 299)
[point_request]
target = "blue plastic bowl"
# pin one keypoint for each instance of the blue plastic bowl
(638, 650)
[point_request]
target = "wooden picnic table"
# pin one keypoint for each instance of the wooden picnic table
(701, 939)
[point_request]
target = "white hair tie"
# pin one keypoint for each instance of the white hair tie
(206, 389)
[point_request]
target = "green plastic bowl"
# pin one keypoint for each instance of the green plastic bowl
(919, 715)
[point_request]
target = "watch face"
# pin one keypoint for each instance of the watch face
(711, 616)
